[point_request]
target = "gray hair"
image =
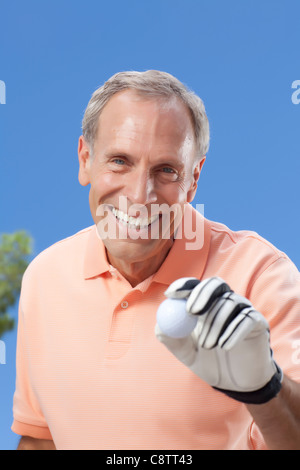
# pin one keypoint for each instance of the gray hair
(153, 84)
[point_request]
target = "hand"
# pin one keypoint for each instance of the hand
(229, 348)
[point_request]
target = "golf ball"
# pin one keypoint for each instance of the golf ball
(173, 319)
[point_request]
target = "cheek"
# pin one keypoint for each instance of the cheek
(103, 185)
(177, 193)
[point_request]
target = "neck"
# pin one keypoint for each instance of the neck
(136, 272)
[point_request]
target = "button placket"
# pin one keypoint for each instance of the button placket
(121, 329)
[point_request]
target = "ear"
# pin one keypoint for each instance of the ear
(84, 157)
(196, 174)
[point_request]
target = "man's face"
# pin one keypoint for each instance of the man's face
(144, 157)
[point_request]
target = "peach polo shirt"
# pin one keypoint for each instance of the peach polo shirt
(91, 373)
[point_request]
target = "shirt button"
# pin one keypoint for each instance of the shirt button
(124, 304)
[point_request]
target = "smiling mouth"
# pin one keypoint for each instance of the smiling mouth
(134, 222)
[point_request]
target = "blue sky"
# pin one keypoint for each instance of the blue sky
(240, 56)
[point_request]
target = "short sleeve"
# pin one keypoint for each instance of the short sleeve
(276, 294)
(28, 416)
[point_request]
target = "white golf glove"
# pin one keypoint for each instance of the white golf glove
(229, 348)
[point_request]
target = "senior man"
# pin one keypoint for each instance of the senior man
(94, 371)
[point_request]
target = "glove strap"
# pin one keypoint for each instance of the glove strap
(258, 397)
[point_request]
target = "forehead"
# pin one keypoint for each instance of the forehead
(131, 117)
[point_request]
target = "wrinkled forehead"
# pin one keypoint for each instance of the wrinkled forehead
(136, 118)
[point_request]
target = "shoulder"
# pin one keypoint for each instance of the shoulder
(242, 257)
(245, 240)
(67, 252)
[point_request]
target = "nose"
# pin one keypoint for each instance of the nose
(141, 188)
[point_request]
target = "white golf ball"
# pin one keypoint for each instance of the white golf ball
(173, 319)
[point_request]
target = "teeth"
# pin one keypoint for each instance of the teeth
(133, 221)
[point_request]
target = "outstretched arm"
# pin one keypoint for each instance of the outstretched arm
(229, 349)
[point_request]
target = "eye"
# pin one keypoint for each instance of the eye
(118, 161)
(167, 169)
(168, 174)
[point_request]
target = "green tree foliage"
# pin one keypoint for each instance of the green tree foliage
(15, 249)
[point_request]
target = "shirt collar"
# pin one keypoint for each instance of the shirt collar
(186, 258)
(95, 261)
